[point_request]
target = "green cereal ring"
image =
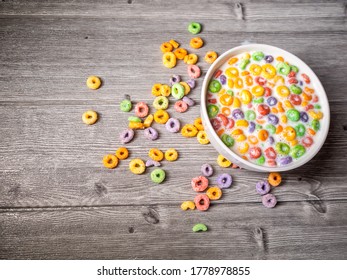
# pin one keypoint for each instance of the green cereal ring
(294, 68)
(258, 126)
(293, 115)
(194, 27)
(199, 227)
(261, 160)
(134, 119)
(317, 106)
(300, 130)
(227, 140)
(315, 124)
(258, 100)
(177, 90)
(282, 148)
(283, 68)
(257, 56)
(212, 110)
(214, 86)
(295, 89)
(243, 64)
(230, 92)
(161, 103)
(125, 105)
(250, 115)
(271, 128)
(297, 151)
(158, 175)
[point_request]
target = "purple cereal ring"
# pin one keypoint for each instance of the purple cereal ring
(271, 140)
(273, 119)
(303, 117)
(285, 160)
(271, 101)
(223, 79)
(126, 136)
(150, 133)
(251, 127)
(269, 200)
(152, 162)
(194, 71)
(175, 79)
(224, 181)
(206, 170)
(191, 83)
(269, 58)
(237, 114)
(173, 125)
(262, 187)
(189, 101)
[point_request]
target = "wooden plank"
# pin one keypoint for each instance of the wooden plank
(50, 158)
(297, 230)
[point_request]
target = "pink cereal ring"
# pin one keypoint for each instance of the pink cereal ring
(307, 141)
(199, 184)
(141, 110)
(270, 153)
(194, 71)
(308, 107)
(231, 123)
(181, 106)
(202, 202)
(254, 152)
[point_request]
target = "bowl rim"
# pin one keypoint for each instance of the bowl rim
(227, 152)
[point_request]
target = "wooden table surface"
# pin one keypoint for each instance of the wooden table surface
(57, 201)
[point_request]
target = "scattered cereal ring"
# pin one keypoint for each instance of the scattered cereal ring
(262, 187)
(122, 153)
(177, 90)
(190, 102)
(173, 125)
(169, 60)
(137, 166)
(127, 135)
(148, 121)
(180, 53)
(110, 161)
(199, 184)
(174, 44)
(125, 105)
(161, 116)
(136, 125)
(194, 27)
(175, 79)
(191, 83)
(181, 106)
(158, 175)
(194, 71)
(210, 57)
(214, 193)
(191, 58)
(269, 200)
(196, 43)
(199, 227)
(141, 110)
(152, 162)
(198, 124)
(161, 103)
(93, 82)
(156, 154)
(224, 181)
(90, 117)
(187, 205)
(189, 130)
(186, 87)
(151, 134)
(171, 155)
(166, 47)
(206, 170)
(223, 162)
(165, 90)
(202, 202)
(274, 179)
(156, 89)
(134, 119)
(202, 137)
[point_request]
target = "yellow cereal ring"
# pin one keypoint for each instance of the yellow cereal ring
(191, 58)
(90, 117)
(304, 103)
(93, 82)
(258, 90)
(214, 193)
(156, 154)
(210, 57)
(243, 148)
(232, 72)
(110, 161)
(166, 47)
(236, 103)
(268, 71)
(148, 121)
(279, 79)
(289, 133)
(249, 80)
(288, 104)
(255, 69)
(198, 124)
(171, 155)
(238, 82)
(169, 60)
(280, 58)
(187, 205)
(246, 56)
(315, 115)
(161, 116)
(236, 132)
(165, 90)
(189, 130)
(230, 83)
(196, 43)
(226, 99)
(240, 138)
(233, 60)
(186, 87)
(174, 44)
(306, 97)
(156, 89)
(243, 123)
(293, 142)
(282, 91)
(180, 53)
(202, 137)
(122, 153)
(136, 125)
(246, 96)
(284, 119)
(137, 166)
(223, 162)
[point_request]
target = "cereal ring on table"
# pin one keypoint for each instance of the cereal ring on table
(189, 130)
(202, 202)
(214, 193)
(177, 91)
(161, 103)
(156, 89)
(158, 175)
(175, 79)
(262, 187)
(90, 117)
(141, 110)
(199, 184)
(269, 200)
(223, 162)
(194, 27)
(187, 205)
(126, 136)
(152, 162)
(136, 125)
(190, 102)
(134, 119)
(169, 60)
(110, 161)
(274, 179)
(174, 44)
(161, 116)
(166, 47)
(196, 43)
(165, 90)
(171, 155)
(148, 121)
(156, 154)
(125, 105)
(151, 134)
(202, 137)
(210, 57)
(206, 170)
(137, 166)
(224, 181)
(180, 53)
(181, 106)
(93, 82)
(199, 227)
(194, 71)
(186, 87)
(173, 125)
(191, 58)
(122, 153)
(191, 83)
(198, 124)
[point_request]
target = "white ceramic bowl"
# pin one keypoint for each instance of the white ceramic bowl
(232, 156)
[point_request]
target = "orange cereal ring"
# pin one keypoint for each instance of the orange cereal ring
(274, 179)
(174, 44)
(189, 130)
(156, 154)
(263, 135)
(198, 124)
(210, 57)
(156, 89)
(122, 153)
(180, 53)
(214, 193)
(196, 43)
(225, 111)
(110, 161)
(166, 47)
(252, 139)
(233, 60)
(161, 116)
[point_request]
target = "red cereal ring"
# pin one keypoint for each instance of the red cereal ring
(263, 109)
(199, 184)
(216, 124)
(223, 118)
(254, 152)
(307, 141)
(194, 71)
(293, 81)
(212, 101)
(295, 99)
(231, 123)
(267, 91)
(308, 107)
(260, 80)
(271, 162)
(141, 110)
(306, 78)
(202, 202)
(291, 74)
(270, 153)
(217, 74)
(181, 106)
